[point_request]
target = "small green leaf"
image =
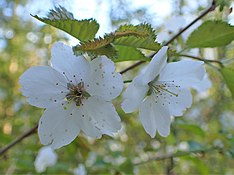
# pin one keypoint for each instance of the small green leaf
(141, 30)
(94, 44)
(144, 37)
(228, 75)
(211, 34)
(107, 50)
(193, 145)
(126, 53)
(196, 130)
(143, 43)
(60, 18)
(126, 40)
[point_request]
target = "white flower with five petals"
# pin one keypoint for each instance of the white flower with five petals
(162, 91)
(77, 96)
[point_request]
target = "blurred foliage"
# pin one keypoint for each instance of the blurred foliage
(208, 124)
(209, 35)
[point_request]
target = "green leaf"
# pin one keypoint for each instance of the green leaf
(144, 43)
(228, 75)
(126, 40)
(97, 43)
(196, 130)
(211, 34)
(200, 165)
(83, 30)
(144, 37)
(107, 50)
(193, 145)
(141, 30)
(126, 53)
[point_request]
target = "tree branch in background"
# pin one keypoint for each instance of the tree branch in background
(212, 7)
(178, 154)
(201, 59)
(19, 139)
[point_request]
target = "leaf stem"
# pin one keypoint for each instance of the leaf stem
(178, 154)
(205, 60)
(211, 8)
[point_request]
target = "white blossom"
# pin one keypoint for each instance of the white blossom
(80, 170)
(77, 96)
(45, 158)
(162, 91)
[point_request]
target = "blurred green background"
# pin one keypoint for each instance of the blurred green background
(209, 123)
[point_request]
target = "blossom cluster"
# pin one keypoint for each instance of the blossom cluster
(77, 94)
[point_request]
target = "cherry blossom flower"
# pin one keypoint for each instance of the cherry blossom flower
(45, 158)
(162, 91)
(77, 96)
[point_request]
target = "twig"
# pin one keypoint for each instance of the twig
(212, 7)
(179, 154)
(131, 67)
(19, 139)
(205, 60)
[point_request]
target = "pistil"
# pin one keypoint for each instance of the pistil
(77, 93)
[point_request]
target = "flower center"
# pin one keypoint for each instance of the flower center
(77, 93)
(162, 88)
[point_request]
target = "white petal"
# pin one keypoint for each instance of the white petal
(43, 86)
(203, 85)
(133, 96)
(103, 81)
(178, 104)
(103, 115)
(58, 127)
(155, 66)
(86, 123)
(155, 116)
(184, 73)
(63, 60)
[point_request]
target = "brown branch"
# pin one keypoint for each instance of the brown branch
(205, 60)
(211, 8)
(19, 139)
(179, 154)
(131, 67)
